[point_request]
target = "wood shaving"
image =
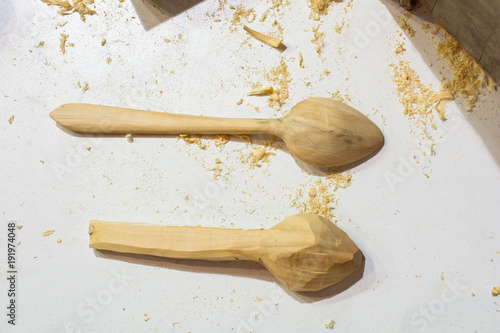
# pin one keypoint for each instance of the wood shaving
(469, 80)
(269, 91)
(59, 240)
(330, 324)
(277, 4)
(418, 100)
(216, 171)
(220, 139)
(242, 13)
(280, 76)
(318, 8)
(320, 196)
(268, 40)
(403, 23)
(195, 139)
(258, 156)
(64, 37)
(301, 59)
(11, 119)
(399, 49)
(338, 27)
(318, 39)
(495, 291)
(245, 138)
(48, 232)
(103, 41)
(78, 6)
(240, 101)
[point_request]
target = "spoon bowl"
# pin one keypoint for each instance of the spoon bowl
(325, 133)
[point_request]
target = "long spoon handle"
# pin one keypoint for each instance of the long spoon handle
(176, 242)
(90, 118)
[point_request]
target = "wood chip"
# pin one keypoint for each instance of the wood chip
(268, 40)
(48, 232)
(64, 37)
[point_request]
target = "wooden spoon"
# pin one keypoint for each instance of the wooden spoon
(306, 252)
(318, 131)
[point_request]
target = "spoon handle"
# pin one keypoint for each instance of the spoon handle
(212, 244)
(90, 118)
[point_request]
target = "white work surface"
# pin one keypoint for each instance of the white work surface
(411, 228)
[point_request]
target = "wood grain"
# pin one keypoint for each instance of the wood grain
(306, 252)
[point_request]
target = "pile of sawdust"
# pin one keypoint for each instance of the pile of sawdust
(241, 13)
(318, 39)
(403, 23)
(77, 6)
(220, 139)
(419, 100)
(469, 80)
(280, 76)
(319, 7)
(193, 139)
(421, 103)
(277, 4)
(320, 197)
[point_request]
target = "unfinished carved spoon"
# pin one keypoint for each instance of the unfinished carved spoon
(306, 252)
(318, 131)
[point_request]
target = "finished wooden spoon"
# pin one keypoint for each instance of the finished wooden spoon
(306, 252)
(319, 131)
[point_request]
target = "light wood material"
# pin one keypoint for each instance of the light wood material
(306, 252)
(318, 131)
(474, 23)
(268, 40)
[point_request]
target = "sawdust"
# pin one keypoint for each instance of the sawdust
(259, 155)
(399, 49)
(320, 197)
(62, 45)
(278, 4)
(301, 59)
(48, 232)
(338, 27)
(77, 6)
(319, 8)
(418, 100)
(11, 119)
(468, 80)
(280, 76)
(403, 23)
(193, 140)
(220, 139)
(216, 169)
(241, 13)
(338, 97)
(318, 39)
(422, 104)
